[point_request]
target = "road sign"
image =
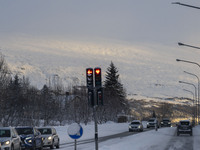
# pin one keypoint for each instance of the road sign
(75, 131)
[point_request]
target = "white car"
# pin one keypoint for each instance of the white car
(135, 125)
(9, 139)
(50, 137)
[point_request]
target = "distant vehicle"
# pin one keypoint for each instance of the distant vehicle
(152, 122)
(184, 127)
(165, 122)
(9, 139)
(135, 125)
(50, 137)
(31, 138)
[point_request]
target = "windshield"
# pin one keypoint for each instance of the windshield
(166, 120)
(151, 120)
(25, 131)
(4, 133)
(45, 131)
(135, 122)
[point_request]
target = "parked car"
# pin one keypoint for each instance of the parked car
(50, 137)
(135, 125)
(9, 139)
(152, 122)
(31, 138)
(184, 127)
(165, 122)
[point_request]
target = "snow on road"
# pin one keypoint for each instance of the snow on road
(163, 139)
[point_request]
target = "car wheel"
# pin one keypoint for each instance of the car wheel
(52, 146)
(191, 134)
(58, 145)
(12, 147)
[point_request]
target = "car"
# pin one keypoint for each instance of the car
(152, 122)
(9, 139)
(135, 125)
(31, 138)
(50, 137)
(165, 122)
(184, 127)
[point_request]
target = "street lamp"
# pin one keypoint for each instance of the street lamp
(185, 5)
(192, 95)
(197, 92)
(182, 44)
(188, 62)
(179, 60)
(194, 91)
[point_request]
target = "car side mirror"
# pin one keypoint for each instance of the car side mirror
(14, 136)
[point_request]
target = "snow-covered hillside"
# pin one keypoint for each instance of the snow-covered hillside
(144, 69)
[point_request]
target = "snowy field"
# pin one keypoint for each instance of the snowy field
(150, 140)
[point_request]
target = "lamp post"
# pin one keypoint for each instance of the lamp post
(186, 61)
(192, 95)
(197, 106)
(194, 92)
(186, 5)
(193, 121)
(182, 44)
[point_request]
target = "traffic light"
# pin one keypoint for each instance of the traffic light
(90, 97)
(89, 77)
(97, 74)
(100, 96)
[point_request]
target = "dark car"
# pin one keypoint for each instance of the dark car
(135, 125)
(152, 122)
(50, 137)
(184, 127)
(165, 122)
(31, 138)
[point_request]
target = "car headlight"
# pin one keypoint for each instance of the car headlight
(169, 122)
(29, 139)
(49, 138)
(139, 126)
(6, 143)
(161, 122)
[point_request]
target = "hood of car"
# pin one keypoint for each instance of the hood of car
(23, 136)
(3, 139)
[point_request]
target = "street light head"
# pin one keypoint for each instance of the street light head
(175, 2)
(178, 60)
(180, 81)
(180, 44)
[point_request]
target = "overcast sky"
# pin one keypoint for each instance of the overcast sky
(154, 21)
(49, 26)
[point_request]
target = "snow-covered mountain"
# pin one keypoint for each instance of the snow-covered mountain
(145, 69)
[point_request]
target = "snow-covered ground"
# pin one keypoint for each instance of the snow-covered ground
(149, 140)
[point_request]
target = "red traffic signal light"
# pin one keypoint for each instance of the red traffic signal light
(97, 71)
(89, 77)
(97, 74)
(89, 72)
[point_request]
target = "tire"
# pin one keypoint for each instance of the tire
(58, 145)
(52, 146)
(12, 147)
(178, 134)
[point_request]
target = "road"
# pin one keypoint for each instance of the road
(182, 142)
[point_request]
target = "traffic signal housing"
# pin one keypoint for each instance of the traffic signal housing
(97, 74)
(89, 77)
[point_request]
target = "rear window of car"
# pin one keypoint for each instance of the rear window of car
(4, 133)
(184, 123)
